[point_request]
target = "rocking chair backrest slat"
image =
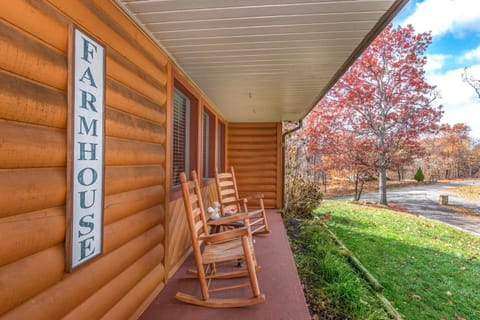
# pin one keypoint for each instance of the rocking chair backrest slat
(193, 198)
(228, 192)
(224, 184)
(196, 213)
(228, 199)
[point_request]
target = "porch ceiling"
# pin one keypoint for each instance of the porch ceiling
(263, 60)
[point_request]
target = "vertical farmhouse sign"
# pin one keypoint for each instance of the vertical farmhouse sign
(86, 132)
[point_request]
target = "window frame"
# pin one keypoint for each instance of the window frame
(221, 146)
(193, 152)
(209, 157)
(185, 134)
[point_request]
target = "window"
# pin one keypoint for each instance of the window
(184, 133)
(208, 140)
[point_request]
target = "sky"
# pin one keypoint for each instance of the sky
(455, 28)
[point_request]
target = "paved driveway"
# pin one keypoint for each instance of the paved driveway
(423, 200)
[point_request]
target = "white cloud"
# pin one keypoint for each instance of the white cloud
(442, 16)
(472, 54)
(461, 104)
(435, 62)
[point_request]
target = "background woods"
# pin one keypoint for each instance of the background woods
(452, 153)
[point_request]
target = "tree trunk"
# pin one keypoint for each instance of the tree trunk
(360, 189)
(324, 181)
(356, 198)
(382, 179)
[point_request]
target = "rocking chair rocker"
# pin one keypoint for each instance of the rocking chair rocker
(230, 202)
(218, 248)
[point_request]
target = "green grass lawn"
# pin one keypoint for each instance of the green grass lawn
(333, 288)
(428, 270)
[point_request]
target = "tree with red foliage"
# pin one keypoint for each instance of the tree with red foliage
(380, 106)
(341, 150)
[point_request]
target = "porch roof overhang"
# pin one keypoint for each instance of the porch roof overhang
(263, 60)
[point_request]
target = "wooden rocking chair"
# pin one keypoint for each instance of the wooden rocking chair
(218, 248)
(230, 202)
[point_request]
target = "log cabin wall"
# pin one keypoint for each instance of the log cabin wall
(33, 119)
(254, 150)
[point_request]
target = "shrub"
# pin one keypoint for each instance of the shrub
(303, 197)
(419, 175)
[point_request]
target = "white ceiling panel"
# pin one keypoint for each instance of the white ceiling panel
(263, 60)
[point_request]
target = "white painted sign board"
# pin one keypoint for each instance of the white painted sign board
(86, 136)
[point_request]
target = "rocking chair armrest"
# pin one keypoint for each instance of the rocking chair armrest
(228, 219)
(227, 235)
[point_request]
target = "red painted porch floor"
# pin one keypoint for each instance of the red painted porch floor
(278, 280)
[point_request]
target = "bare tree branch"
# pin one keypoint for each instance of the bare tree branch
(474, 83)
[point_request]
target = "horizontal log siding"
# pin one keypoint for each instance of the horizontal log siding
(253, 151)
(33, 152)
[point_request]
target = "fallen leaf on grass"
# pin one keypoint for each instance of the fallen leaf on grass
(449, 293)
(414, 296)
